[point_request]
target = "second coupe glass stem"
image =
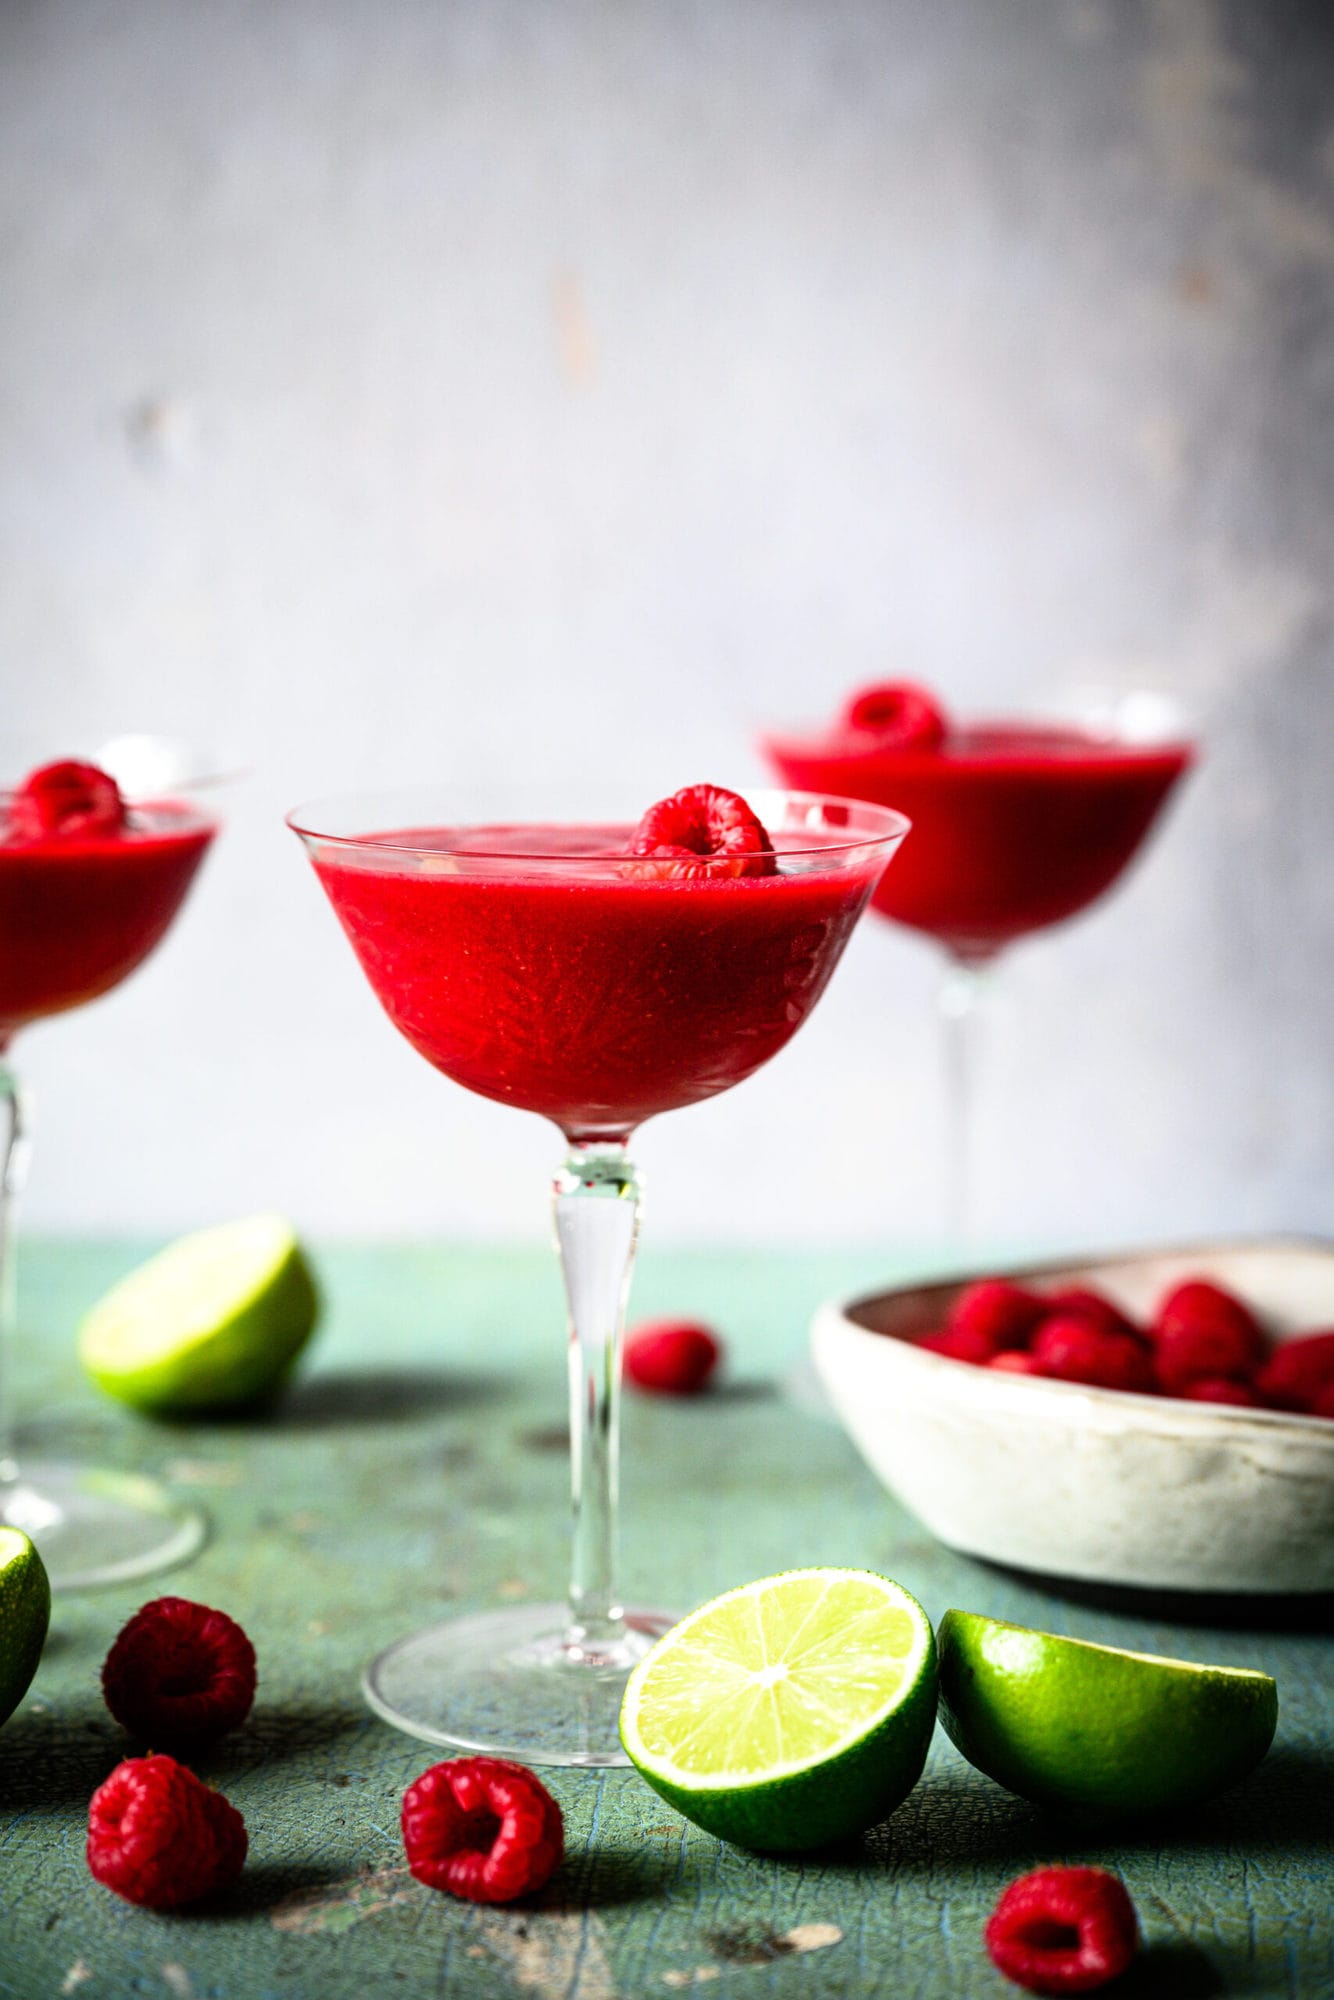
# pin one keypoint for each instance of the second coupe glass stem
(13, 1171)
(596, 1201)
(962, 996)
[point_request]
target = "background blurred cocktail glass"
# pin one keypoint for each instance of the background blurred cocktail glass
(1017, 826)
(79, 911)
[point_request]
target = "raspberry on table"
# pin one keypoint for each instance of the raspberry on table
(159, 1836)
(1201, 1330)
(1298, 1373)
(1070, 1348)
(1002, 1314)
(483, 1829)
(672, 1357)
(66, 799)
(900, 715)
(1063, 1930)
(704, 831)
(179, 1673)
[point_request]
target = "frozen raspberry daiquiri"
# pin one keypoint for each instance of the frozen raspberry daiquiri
(596, 974)
(1016, 826)
(88, 886)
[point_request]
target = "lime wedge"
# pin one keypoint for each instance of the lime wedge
(789, 1713)
(215, 1321)
(1093, 1729)
(25, 1612)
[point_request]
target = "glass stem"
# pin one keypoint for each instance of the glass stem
(962, 992)
(596, 1202)
(14, 1149)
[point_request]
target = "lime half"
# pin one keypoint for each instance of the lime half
(789, 1713)
(215, 1321)
(25, 1612)
(1093, 1729)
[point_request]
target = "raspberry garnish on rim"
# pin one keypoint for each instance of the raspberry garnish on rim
(704, 832)
(899, 714)
(65, 800)
(483, 1829)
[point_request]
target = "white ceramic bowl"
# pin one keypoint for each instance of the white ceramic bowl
(1095, 1484)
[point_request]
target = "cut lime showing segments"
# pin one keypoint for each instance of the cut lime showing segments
(1093, 1729)
(790, 1712)
(213, 1322)
(25, 1612)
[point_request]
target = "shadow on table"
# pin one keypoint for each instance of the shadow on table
(276, 1730)
(52, 1762)
(951, 1821)
(378, 1396)
(1174, 1970)
(265, 1885)
(1281, 1612)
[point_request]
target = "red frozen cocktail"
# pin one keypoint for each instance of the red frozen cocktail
(539, 966)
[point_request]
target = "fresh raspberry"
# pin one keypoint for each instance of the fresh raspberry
(1093, 1306)
(66, 799)
(960, 1344)
(179, 1673)
(482, 1829)
(158, 1835)
(1063, 1930)
(1298, 1372)
(1071, 1348)
(1014, 1361)
(1220, 1389)
(1198, 1299)
(1201, 1330)
(1005, 1315)
(899, 716)
(674, 1357)
(1189, 1352)
(702, 832)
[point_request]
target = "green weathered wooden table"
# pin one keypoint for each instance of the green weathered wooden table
(419, 1465)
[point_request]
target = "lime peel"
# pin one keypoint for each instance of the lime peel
(25, 1613)
(1097, 1729)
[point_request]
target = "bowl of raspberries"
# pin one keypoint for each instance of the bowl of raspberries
(1163, 1420)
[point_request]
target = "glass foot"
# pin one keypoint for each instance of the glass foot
(510, 1684)
(94, 1527)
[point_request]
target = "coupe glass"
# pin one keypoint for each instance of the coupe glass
(77, 915)
(1016, 826)
(545, 967)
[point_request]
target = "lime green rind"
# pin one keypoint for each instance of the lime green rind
(1093, 1730)
(855, 1778)
(151, 1346)
(25, 1613)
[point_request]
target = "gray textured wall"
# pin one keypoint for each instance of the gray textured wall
(433, 389)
